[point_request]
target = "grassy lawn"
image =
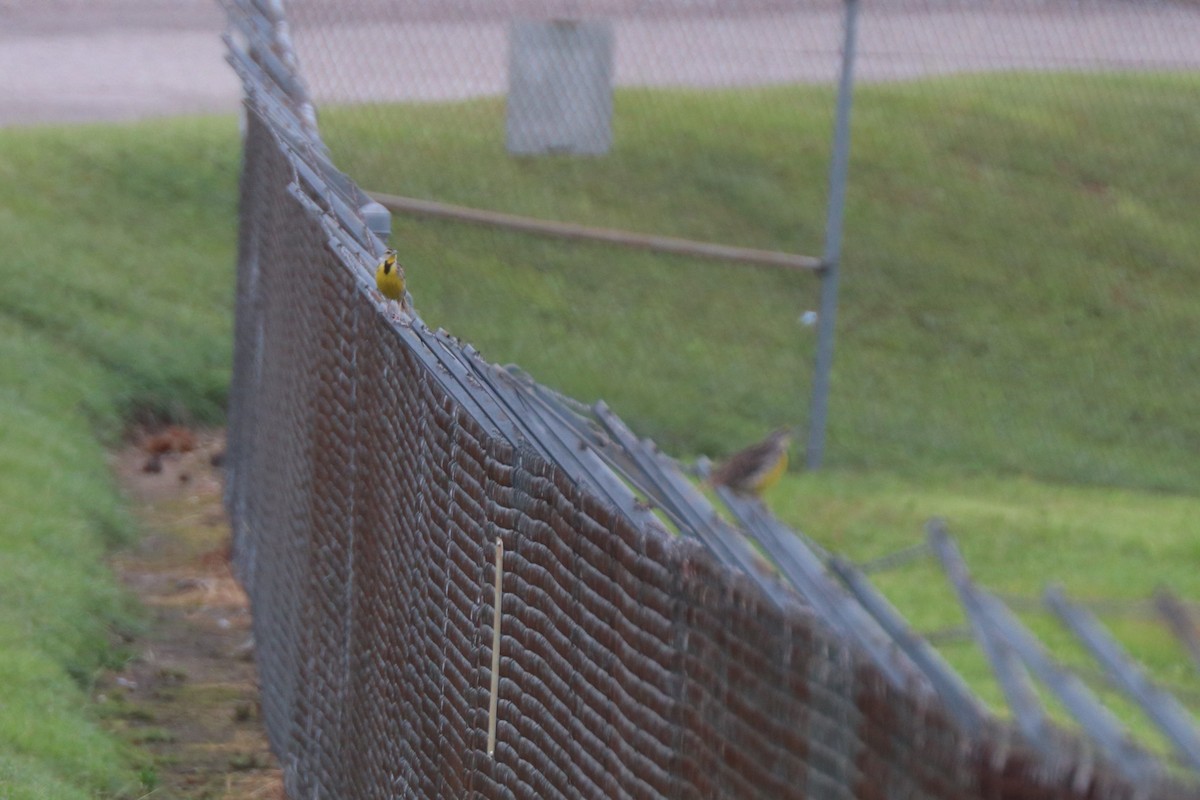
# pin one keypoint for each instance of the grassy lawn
(1019, 275)
(1018, 535)
(115, 298)
(1016, 343)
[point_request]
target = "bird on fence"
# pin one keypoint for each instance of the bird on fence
(389, 278)
(757, 468)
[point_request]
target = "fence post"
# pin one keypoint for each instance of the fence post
(1162, 709)
(827, 310)
(1173, 611)
(378, 219)
(1010, 674)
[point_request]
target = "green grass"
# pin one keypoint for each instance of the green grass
(1016, 335)
(115, 298)
(1019, 272)
(1016, 338)
(1018, 535)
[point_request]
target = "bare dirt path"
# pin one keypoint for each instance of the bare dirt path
(189, 693)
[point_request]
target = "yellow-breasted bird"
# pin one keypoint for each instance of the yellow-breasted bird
(757, 468)
(389, 277)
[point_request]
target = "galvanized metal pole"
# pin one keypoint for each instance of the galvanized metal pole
(1163, 710)
(960, 700)
(1176, 615)
(1095, 720)
(827, 311)
(378, 219)
(1010, 674)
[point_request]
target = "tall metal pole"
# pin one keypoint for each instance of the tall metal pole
(827, 311)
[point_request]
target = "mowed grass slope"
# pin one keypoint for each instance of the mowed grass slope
(1019, 273)
(115, 298)
(1015, 336)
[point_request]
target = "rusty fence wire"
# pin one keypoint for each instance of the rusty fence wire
(464, 584)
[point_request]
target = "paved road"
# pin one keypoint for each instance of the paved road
(63, 61)
(79, 60)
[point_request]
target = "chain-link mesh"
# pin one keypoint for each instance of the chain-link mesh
(1026, 328)
(370, 489)
(362, 56)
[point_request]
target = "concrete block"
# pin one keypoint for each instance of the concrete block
(560, 87)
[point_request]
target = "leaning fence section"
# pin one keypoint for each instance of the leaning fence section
(460, 586)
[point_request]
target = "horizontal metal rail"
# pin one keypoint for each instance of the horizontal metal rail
(568, 230)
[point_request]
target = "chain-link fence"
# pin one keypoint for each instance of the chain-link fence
(457, 590)
(1016, 228)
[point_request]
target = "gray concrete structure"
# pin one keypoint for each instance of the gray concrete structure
(560, 78)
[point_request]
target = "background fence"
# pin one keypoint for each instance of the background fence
(459, 584)
(994, 175)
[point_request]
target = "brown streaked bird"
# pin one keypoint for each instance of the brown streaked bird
(757, 468)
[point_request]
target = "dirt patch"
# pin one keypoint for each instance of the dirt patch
(189, 693)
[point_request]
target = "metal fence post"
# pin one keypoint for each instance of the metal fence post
(1163, 710)
(378, 219)
(819, 408)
